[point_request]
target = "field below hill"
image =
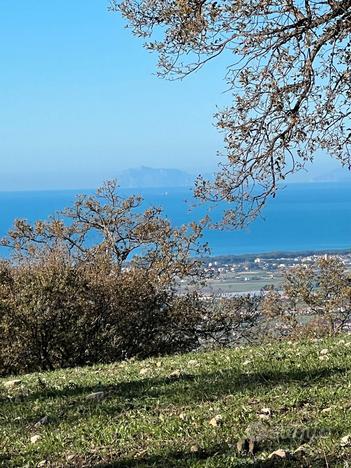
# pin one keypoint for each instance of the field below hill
(281, 405)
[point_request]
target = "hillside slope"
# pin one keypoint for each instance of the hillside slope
(189, 410)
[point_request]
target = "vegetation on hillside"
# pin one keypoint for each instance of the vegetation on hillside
(224, 408)
(107, 281)
(96, 283)
(100, 282)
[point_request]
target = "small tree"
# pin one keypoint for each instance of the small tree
(315, 297)
(107, 225)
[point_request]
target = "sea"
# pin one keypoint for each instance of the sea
(302, 217)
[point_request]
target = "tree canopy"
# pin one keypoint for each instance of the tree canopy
(289, 73)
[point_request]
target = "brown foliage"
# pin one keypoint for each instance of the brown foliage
(56, 314)
(110, 226)
(289, 70)
(100, 283)
(97, 283)
(316, 299)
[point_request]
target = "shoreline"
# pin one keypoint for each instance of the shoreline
(275, 254)
(247, 274)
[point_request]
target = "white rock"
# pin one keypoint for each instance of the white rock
(12, 383)
(34, 439)
(345, 441)
(265, 413)
(192, 363)
(216, 421)
(175, 374)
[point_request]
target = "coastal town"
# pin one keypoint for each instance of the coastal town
(249, 274)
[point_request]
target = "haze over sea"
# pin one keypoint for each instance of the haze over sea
(309, 216)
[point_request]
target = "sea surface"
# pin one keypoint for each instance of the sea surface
(302, 217)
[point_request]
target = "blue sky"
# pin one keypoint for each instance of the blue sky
(80, 102)
(79, 98)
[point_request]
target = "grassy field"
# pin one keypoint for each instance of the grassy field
(243, 282)
(229, 408)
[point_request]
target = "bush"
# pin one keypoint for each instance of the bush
(230, 321)
(315, 301)
(54, 314)
(96, 283)
(101, 282)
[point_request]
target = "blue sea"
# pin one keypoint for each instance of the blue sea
(302, 217)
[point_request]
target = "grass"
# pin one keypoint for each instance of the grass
(236, 283)
(188, 410)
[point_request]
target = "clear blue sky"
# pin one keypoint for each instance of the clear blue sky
(79, 99)
(80, 102)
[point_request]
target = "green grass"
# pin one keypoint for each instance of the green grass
(159, 412)
(235, 282)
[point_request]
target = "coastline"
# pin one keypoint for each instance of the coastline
(248, 274)
(275, 254)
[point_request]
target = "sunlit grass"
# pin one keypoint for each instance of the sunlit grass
(188, 410)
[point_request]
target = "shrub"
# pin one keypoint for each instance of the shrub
(100, 282)
(315, 301)
(229, 321)
(96, 283)
(55, 314)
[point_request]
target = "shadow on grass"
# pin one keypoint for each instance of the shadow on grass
(219, 456)
(5, 458)
(194, 388)
(188, 389)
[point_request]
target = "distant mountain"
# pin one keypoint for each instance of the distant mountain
(143, 177)
(148, 177)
